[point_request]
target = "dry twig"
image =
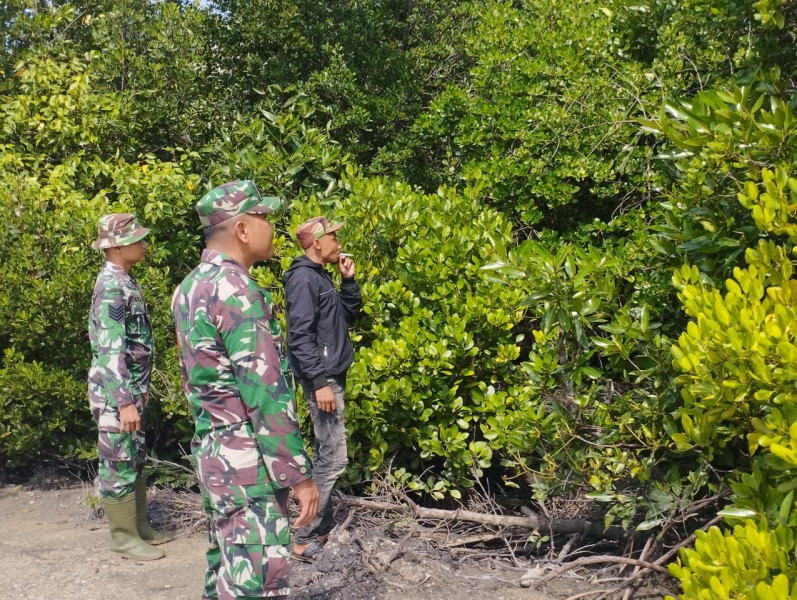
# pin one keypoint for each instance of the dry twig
(596, 560)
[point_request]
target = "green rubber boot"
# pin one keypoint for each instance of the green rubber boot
(147, 533)
(124, 534)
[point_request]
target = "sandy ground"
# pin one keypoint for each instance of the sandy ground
(51, 549)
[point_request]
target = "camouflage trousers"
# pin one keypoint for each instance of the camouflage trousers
(248, 555)
(121, 461)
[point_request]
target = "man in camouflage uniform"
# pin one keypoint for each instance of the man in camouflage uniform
(121, 348)
(247, 446)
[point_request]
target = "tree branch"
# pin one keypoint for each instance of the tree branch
(534, 522)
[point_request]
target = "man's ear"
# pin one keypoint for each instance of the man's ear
(241, 231)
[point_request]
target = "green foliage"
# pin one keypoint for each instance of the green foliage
(28, 26)
(55, 182)
(739, 364)
(542, 121)
(437, 339)
(597, 376)
(373, 64)
(693, 43)
(737, 356)
(706, 221)
(56, 110)
(278, 145)
(745, 564)
(151, 54)
(40, 410)
(773, 209)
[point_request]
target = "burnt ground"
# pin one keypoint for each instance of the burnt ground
(53, 544)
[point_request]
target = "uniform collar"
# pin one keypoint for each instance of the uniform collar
(117, 270)
(214, 257)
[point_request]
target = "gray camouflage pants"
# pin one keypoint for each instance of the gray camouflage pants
(330, 458)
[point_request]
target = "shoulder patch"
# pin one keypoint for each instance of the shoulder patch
(117, 312)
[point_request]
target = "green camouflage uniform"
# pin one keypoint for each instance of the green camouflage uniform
(247, 446)
(121, 348)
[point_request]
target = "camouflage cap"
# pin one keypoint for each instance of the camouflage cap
(314, 229)
(234, 198)
(118, 229)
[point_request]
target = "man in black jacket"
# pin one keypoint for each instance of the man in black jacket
(320, 352)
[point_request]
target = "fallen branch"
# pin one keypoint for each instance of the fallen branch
(533, 522)
(568, 546)
(585, 594)
(649, 548)
(471, 539)
(596, 560)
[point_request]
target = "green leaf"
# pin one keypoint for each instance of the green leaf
(737, 513)
(591, 372)
(650, 524)
(785, 508)
(644, 317)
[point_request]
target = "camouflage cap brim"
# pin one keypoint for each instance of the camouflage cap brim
(121, 240)
(334, 227)
(118, 229)
(268, 205)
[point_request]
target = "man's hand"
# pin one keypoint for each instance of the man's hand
(307, 495)
(325, 399)
(128, 418)
(346, 267)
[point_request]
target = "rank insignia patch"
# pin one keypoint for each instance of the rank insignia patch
(117, 312)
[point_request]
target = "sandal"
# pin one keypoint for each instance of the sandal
(308, 554)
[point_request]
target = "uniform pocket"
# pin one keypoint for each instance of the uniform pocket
(264, 519)
(116, 447)
(136, 323)
(228, 456)
(254, 536)
(259, 571)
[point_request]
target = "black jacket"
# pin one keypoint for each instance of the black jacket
(318, 319)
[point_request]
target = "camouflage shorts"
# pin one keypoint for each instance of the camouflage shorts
(249, 536)
(121, 460)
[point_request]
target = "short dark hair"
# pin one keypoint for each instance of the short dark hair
(210, 231)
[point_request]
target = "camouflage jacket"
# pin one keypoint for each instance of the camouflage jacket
(244, 409)
(121, 346)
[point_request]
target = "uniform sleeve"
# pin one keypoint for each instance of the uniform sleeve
(243, 324)
(351, 299)
(301, 308)
(109, 313)
(139, 344)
